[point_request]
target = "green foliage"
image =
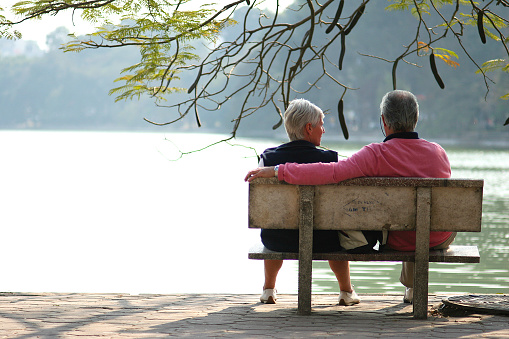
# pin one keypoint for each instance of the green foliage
(495, 65)
(490, 19)
(157, 27)
(5, 28)
(162, 32)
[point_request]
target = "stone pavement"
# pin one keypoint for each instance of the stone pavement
(59, 315)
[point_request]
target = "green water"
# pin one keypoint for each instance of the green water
(491, 275)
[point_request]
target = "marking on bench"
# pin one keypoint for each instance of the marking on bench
(359, 205)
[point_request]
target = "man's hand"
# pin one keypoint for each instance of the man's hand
(260, 172)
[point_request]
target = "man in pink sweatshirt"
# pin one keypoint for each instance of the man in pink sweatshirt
(401, 154)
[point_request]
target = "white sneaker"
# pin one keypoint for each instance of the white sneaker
(348, 299)
(409, 295)
(269, 296)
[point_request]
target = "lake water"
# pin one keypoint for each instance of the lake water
(112, 212)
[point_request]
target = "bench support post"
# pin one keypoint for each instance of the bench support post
(421, 269)
(305, 248)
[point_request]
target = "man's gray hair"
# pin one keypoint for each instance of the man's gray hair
(299, 113)
(400, 110)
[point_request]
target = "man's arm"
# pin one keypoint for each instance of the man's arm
(260, 172)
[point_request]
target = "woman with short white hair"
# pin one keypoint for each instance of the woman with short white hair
(304, 126)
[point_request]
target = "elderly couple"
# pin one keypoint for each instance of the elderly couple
(401, 154)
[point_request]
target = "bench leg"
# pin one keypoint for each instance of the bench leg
(421, 290)
(421, 270)
(305, 272)
(305, 249)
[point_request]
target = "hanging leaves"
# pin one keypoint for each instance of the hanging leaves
(342, 121)
(480, 26)
(447, 60)
(435, 71)
(342, 52)
(279, 123)
(443, 54)
(193, 86)
(422, 48)
(198, 121)
(336, 17)
(355, 19)
(493, 65)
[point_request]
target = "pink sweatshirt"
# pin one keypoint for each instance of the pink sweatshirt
(394, 158)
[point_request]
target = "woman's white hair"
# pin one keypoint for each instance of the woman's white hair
(299, 113)
(400, 110)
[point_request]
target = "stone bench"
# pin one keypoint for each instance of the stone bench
(403, 204)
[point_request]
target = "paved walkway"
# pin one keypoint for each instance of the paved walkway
(60, 315)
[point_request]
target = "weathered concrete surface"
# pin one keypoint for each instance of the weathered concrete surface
(241, 316)
(369, 204)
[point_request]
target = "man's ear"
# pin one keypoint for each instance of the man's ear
(308, 128)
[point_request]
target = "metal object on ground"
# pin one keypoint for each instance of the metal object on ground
(491, 304)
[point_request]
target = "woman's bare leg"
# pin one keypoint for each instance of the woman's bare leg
(271, 268)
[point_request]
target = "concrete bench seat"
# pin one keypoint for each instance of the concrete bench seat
(392, 204)
(453, 254)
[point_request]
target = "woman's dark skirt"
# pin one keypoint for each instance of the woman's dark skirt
(288, 241)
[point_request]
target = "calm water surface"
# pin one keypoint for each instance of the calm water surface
(111, 212)
(491, 275)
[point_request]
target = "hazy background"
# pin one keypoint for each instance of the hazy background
(43, 88)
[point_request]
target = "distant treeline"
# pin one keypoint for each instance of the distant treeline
(56, 90)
